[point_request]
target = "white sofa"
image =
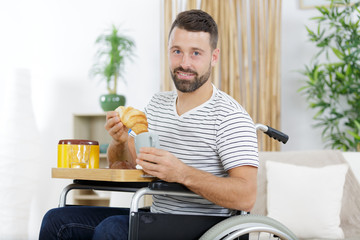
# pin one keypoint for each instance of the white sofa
(314, 193)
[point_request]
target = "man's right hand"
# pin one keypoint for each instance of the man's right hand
(121, 151)
(116, 128)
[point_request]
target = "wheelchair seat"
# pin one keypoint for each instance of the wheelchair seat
(149, 226)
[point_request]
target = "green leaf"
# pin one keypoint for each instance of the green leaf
(348, 70)
(311, 33)
(338, 53)
(303, 88)
(356, 136)
(320, 112)
(316, 73)
(323, 10)
(340, 75)
(321, 18)
(357, 124)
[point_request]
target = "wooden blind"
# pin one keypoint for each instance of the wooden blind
(249, 66)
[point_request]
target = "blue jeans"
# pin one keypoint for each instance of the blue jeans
(85, 222)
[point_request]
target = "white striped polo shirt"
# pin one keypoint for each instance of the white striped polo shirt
(214, 137)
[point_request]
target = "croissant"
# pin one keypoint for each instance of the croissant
(133, 118)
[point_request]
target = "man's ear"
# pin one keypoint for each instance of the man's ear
(215, 57)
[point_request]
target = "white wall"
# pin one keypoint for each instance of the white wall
(55, 41)
(296, 51)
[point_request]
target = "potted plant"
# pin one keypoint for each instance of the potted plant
(333, 77)
(114, 49)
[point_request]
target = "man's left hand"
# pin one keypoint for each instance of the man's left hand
(161, 164)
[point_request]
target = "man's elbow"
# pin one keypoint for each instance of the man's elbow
(247, 202)
(249, 205)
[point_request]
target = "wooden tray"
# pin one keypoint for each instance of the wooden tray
(102, 174)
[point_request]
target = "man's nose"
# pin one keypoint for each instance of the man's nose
(186, 62)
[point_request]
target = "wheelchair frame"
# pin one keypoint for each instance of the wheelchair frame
(212, 228)
(215, 228)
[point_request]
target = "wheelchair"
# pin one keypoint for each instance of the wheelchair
(145, 225)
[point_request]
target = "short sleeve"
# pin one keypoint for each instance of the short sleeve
(237, 141)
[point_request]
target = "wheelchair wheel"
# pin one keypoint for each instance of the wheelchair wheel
(257, 227)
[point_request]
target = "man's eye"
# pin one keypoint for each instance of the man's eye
(196, 53)
(177, 51)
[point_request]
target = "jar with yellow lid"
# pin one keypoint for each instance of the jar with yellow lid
(78, 153)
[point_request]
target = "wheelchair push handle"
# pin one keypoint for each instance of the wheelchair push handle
(272, 132)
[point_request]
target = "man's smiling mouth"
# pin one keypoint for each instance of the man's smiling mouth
(185, 75)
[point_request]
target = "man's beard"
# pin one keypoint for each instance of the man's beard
(189, 85)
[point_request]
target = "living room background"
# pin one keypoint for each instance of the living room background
(54, 42)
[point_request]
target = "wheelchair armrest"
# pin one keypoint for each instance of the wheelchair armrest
(167, 186)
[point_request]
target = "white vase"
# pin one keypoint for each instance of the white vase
(19, 154)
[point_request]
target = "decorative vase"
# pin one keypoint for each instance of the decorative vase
(20, 152)
(109, 102)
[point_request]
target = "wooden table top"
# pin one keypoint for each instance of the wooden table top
(101, 174)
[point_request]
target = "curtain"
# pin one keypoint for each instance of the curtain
(249, 66)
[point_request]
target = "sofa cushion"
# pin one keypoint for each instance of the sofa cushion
(307, 200)
(350, 208)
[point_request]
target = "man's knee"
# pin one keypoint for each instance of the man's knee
(65, 223)
(55, 216)
(114, 227)
(50, 217)
(48, 225)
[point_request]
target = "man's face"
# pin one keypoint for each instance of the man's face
(190, 58)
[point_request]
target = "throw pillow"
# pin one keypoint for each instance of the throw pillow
(306, 200)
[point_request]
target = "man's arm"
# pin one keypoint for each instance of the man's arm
(238, 191)
(121, 151)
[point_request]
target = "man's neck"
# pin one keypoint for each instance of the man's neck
(187, 101)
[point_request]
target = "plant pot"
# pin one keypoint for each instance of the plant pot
(109, 102)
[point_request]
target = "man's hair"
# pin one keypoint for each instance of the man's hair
(197, 21)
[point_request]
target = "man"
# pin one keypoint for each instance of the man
(207, 141)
